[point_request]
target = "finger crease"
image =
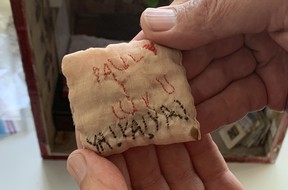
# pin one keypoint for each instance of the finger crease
(263, 83)
(185, 176)
(149, 182)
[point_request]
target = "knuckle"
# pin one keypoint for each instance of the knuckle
(213, 12)
(204, 14)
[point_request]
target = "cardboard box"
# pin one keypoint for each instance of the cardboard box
(261, 143)
(35, 23)
(46, 34)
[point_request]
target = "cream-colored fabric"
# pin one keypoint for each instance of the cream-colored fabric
(130, 94)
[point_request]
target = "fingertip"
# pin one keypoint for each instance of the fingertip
(139, 36)
(158, 19)
(77, 166)
(159, 26)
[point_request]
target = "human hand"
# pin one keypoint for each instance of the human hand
(231, 32)
(194, 165)
(236, 62)
(159, 167)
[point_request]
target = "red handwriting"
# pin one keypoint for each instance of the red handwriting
(172, 90)
(150, 47)
(133, 110)
(123, 113)
(102, 71)
(116, 115)
(125, 65)
(135, 59)
(96, 72)
(146, 100)
(126, 107)
(108, 71)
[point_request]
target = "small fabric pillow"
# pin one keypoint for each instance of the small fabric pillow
(130, 94)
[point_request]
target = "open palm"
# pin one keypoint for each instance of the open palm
(194, 165)
(236, 62)
(228, 78)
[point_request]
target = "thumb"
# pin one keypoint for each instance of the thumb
(186, 24)
(92, 171)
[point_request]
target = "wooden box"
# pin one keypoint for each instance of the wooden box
(47, 32)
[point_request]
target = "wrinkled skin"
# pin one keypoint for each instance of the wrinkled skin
(235, 55)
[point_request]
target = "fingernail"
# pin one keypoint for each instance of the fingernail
(77, 167)
(159, 19)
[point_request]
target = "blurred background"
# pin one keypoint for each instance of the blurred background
(21, 164)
